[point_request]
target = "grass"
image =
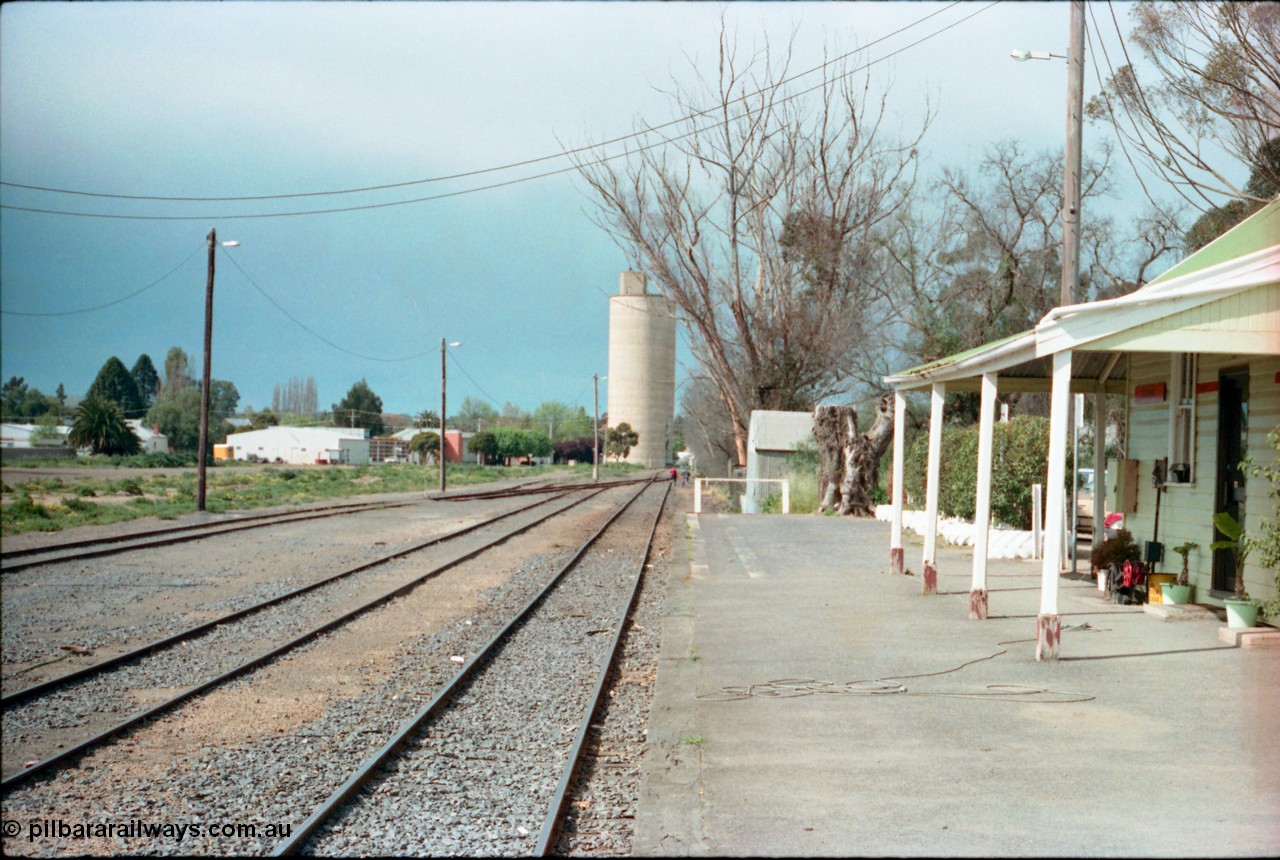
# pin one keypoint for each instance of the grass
(36, 505)
(693, 740)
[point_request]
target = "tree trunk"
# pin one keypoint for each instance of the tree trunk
(850, 460)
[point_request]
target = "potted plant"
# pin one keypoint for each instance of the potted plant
(1114, 552)
(1241, 610)
(1180, 592)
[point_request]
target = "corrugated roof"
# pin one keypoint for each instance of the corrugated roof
(1249, 239)
(1260, 230)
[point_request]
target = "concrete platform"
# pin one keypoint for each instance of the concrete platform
(809, 703)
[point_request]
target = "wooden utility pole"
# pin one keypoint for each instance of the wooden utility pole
(1071, 171)
(595, 450)
(204, 385)
(443, 346)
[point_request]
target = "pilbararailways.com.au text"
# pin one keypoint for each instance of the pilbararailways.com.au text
(135, 828)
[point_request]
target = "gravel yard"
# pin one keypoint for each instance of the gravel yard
(265, 749)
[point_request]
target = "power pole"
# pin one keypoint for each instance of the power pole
(442, 385)
(204, 386)
(595, 449)
(1072, 169)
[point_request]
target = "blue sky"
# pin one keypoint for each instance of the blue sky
(240, 99)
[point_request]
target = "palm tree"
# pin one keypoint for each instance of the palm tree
(100, 425)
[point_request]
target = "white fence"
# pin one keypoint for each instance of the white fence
(698, 482)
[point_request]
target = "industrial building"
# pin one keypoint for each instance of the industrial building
(299, 445)
(642, 368)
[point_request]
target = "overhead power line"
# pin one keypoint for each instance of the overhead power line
(156, 282)
(300, 324)
(481, 171)
(572, 168)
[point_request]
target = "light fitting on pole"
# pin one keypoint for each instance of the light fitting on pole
(1022, 55)
(231, 243)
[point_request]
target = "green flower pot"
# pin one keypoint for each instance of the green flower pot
(1241, 613)
(1177, 594)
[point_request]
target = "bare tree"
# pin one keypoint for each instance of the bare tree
(985, 263)
(710, 433)
(757, 214)
(1216, 89)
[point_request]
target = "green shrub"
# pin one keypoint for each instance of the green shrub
(85, 491)
(1020, 458)
(130, 486)
(79, 505)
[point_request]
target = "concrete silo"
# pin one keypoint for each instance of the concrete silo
(642, 368)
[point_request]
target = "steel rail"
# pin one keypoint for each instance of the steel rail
(44, 765)
(102, 665)
(550, 832)
(204, 530)
(76, 544)
(353, 783)
(545, 488)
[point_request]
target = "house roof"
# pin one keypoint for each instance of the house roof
(1244, 258)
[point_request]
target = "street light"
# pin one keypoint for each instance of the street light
(1071, 170)
(444, 343)
(208, 361)
(595, 450)
(1022, 55)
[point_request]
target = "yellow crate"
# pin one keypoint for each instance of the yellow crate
(1155, 585)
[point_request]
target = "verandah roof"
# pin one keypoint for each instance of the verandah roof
(1244, 258)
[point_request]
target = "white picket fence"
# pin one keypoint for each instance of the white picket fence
(1001, 543)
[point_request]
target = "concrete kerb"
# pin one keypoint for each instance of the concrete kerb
(672, 762)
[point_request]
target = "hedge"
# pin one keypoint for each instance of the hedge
(1020, 458)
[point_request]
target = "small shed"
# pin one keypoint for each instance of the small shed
(771, 436)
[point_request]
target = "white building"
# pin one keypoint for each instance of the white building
(19, 436)
(301, 445)
(153, 441)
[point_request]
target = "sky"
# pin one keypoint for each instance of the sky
(258, 99)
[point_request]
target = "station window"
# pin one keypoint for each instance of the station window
(1182, 418)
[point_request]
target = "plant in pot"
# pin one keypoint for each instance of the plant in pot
(1241, 610)
(1180, 592)
(1113, 553)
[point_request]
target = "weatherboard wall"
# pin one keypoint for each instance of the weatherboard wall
(1186, 510)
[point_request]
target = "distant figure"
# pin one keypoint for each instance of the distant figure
(684, 477)
(673, 476)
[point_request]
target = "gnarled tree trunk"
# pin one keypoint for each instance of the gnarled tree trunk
(850, 460)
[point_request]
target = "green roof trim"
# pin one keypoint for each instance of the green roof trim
(961, 356)
(1260, 230)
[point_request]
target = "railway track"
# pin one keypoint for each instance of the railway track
(169, 646)
(529, 491)
(22, 559)
(358, 809)
(283, 778)
(44, 687)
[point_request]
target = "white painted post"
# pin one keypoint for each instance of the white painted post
(697, 495)
(1037, 520)
(895, 525)
(930, 578)
(786, 496)
(1099, 466)
(1048, 624)
(982, 513)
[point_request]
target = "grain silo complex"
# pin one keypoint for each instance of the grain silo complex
(642, 368)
